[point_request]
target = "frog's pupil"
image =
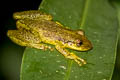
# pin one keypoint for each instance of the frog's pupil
(80, 43)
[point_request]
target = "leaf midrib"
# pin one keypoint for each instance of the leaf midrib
(85, 10)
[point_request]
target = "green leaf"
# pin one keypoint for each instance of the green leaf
(98, 19)
(116, 75)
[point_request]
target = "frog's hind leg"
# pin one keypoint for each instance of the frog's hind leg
(26, 38)
(70, 55)
(32, 15)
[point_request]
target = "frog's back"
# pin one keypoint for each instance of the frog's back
(50, 31)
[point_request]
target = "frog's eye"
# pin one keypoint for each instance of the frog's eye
(80, 43)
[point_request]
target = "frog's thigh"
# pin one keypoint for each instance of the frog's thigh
(70, 55)
(26, 38)
(29, 44)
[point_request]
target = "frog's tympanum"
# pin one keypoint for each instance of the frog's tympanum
(36, 29)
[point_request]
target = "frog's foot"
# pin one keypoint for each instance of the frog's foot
(69, 55)
(41, 46)
(76, 58)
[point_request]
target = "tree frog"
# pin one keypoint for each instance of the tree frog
(36, 29)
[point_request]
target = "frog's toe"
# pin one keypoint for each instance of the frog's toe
(77, 59)
(79, 63)
(82, 60)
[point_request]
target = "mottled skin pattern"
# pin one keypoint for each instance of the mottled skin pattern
(35, 27)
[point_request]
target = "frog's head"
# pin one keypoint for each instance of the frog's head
(82, 44)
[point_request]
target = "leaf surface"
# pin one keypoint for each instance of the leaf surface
(98, 19)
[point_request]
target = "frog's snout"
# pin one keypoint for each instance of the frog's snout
(87, 46)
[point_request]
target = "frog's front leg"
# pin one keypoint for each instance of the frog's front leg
(70, 55)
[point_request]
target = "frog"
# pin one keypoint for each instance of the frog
(36, 29)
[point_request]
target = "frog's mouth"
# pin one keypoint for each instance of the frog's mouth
(86, 46)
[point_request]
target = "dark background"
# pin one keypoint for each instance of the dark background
(10, 61)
